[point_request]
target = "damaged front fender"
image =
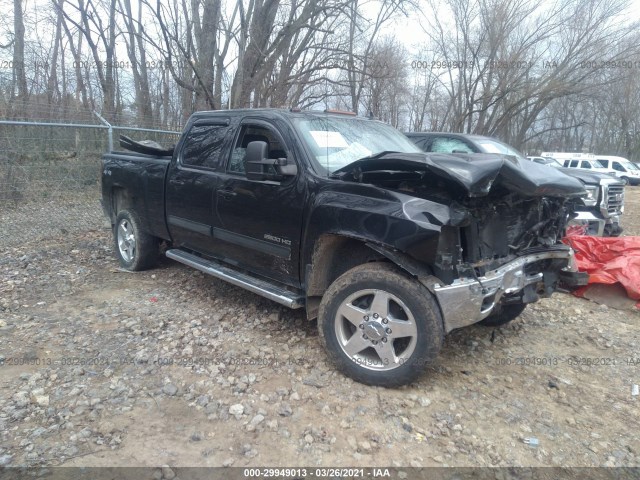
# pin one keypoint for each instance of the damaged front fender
(496, 226)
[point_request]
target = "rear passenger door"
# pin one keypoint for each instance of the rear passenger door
(192, 180)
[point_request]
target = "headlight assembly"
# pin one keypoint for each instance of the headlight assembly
(591, 199)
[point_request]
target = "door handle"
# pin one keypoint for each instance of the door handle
(227, 194)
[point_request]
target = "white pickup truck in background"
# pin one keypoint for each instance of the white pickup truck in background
(606, 203)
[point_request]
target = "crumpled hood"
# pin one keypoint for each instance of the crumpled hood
(477, 173)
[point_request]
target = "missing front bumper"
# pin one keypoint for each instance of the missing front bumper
(467, 301)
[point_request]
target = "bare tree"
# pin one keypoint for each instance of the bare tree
(505, 62)
(188, 36)
(301, 65)
(138, 60)
(53, 86)
(521, 71)
(384, 91)
(100, 34)
(75, 46)
(271, 40)
(19, 70)
(361, 36)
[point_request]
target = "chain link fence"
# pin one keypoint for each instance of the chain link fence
(50, 176)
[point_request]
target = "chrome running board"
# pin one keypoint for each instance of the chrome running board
(239, 279)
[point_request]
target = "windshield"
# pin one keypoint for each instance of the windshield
(631, 166)
(337, 142)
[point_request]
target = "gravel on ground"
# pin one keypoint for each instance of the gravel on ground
(102, 367)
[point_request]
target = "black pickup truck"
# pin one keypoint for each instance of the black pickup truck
(390, 248)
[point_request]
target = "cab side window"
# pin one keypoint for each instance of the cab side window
(449, 145)
(248, 134)
(203, 146)
(585, 164)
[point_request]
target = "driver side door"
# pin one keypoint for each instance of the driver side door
(258, 223)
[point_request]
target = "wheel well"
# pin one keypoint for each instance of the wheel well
(333, 255)
(121, 199)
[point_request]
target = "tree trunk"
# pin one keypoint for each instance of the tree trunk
(53, 89)
(19, 70)
(206, 32)
(138, 59)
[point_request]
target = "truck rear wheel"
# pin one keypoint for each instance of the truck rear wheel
(379, 326)
(136, 249)
(504, 315)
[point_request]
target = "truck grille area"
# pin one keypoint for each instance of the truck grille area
(508, 226)
(615, 199)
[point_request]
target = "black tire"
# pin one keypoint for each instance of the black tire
(136, 249)
(409, 307)
(625, 180)
(504, 315)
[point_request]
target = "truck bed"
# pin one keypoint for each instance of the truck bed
(140, 178)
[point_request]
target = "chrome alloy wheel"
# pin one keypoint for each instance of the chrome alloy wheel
(126, 240)
(376, 329)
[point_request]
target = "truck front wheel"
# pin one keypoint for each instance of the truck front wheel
(136, 249)
(379, 326)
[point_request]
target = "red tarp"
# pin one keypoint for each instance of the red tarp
(609, 260)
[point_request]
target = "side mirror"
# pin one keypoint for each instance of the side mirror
(256, 163)
(254, 159)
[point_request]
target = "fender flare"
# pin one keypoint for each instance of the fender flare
(420, 272)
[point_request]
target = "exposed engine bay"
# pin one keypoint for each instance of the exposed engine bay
(498, 211)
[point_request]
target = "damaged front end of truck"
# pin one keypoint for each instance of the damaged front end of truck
(499, 227)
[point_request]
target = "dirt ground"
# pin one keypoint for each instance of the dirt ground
(99, 367)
